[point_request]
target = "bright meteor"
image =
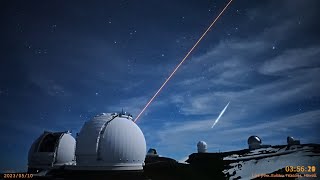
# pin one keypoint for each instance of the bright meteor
(222, 112)
(194, 46)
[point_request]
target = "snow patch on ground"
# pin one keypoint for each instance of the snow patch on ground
(269, 160)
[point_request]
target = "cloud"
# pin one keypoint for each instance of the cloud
(231, 62)
(258, 98)
(291, 60)
(281, 124)
(134, 105)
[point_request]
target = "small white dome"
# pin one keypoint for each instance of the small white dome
(111, 141)
(52, 149)
(202, 147)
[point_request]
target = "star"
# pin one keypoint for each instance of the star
(162, 55)
(273, 47)
(97, 93)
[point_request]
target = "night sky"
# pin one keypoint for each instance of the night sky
(63, 62)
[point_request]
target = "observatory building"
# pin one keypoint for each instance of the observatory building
(152, 152)
(202, 147)
(51, 149)
(292, 141)
(254, 142)
(112, 146)
(110, 141)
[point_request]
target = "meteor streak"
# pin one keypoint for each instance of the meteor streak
(222, 112)
(194, 46)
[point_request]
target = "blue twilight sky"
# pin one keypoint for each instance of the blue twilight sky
(63, 62)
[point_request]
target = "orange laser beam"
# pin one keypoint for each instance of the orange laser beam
(173, 72)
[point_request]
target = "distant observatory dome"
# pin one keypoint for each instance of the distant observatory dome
(202, 147)
(292, 141)
(111, 142)
(254, 142)
(52, 149)
(152, 152)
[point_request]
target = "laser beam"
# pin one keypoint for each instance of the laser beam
(177, 67)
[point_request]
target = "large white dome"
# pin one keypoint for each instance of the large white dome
(111, 142)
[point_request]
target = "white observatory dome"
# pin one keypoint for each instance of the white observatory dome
(254, 142)
(202, 147)
(52, 149)
(111, 142)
